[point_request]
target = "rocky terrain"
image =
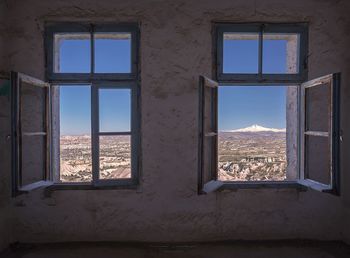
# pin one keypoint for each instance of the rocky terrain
(76, 161)
(252, 156)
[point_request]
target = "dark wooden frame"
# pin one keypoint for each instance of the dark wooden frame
(52, 28)
(101, 80)
(272, 79)
(332, 81)
(260, 28)
(17, 134)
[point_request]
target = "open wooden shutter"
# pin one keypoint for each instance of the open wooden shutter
(207, 136)
(30, 118)
(320, 134)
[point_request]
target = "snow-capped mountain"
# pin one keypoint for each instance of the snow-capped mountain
(258, 128)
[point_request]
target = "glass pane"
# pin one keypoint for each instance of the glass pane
(112, 52)
(33, 159)
(280, 53)
(75, 134)
(115, 157)
(252, 142)
(317, 159)
(318, 108)
(115, 110)
(33, 108)
(240, 53)
(72, 53)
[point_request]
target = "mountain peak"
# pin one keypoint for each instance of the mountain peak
(258, 128)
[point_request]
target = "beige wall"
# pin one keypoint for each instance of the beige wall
(176, 47)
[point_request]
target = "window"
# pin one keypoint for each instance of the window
(262, 124)
(264, 53)
(86, 122)
(31, 139)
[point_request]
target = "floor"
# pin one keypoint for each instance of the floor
(237, 249)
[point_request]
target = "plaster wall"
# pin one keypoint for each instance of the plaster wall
(5, 147)
(5, 182)
(176, 44)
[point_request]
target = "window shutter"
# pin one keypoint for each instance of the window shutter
(30, 115)
(320, 134)
(207, 136)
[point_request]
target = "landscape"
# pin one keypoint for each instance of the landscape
(254, 153)
(76, 161)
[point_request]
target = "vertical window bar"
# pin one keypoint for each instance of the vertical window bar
(94, 133)
(92, 50)
(336, 134)
(215, 130)
(48, 134)
(261, 51)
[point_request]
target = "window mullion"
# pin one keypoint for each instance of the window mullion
(95, 145)
(260, 51)
(92, 43)
(215, 129)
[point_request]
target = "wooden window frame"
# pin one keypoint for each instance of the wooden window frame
(96, 81)
(332, 81)
(260, 28)
(17, 134)
(52, 29)
(298, 79)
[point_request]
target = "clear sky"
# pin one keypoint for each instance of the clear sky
(75, 107)
(239, 107)
(244, 106)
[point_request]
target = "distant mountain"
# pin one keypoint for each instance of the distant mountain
(257, 128)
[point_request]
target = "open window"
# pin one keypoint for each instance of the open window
(270, 128)
(318, 148)
(93, 69)
(208, 136)
(320, 135)
(30, 133)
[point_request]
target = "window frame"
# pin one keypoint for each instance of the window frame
(17, 134)
(260, 79)
(51, 29)
(96, 133)
(333, 82)
(300, 28)
(96, 81)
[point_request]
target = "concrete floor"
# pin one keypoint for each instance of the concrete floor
(264, 249)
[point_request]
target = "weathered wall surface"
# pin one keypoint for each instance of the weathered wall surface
(5, 182)
(176, 44)
(5, 145)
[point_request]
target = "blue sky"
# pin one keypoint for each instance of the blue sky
(244, 106)
(239, 106)
(75, 108)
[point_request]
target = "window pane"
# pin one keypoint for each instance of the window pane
(252, 142)
(33, 159)
(33, 101)
(72, 53)
(112, 52)
(280, 53)
(317, 108)
(115, 110)
(317, 159)
(115, 157)
(75, 133)
(240, 53)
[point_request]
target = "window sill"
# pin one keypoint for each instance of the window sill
(262, 185)
(87, 186)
